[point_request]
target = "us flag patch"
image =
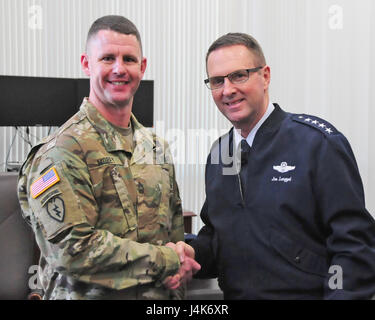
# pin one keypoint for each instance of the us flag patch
(43, 183)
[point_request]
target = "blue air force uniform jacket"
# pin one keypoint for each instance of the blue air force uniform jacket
(301, 230)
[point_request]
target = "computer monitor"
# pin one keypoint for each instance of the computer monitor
(39, 101)
(32, 101)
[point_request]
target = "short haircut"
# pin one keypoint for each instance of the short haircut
(119, 24)
(231, 39)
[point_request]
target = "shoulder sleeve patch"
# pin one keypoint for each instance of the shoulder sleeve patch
(44, 182)
(57, 208)
(316, 123)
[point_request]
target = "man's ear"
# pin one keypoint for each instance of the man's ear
(267, 77)
(85, 64)
(143, 65)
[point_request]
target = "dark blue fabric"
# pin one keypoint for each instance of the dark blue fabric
(245, 152)
(303, 211)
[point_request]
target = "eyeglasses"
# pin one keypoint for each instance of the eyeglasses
(235, 77)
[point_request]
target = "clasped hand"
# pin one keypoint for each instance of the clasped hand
(188, 266)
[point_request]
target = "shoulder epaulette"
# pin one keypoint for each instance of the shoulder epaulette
(316, 123)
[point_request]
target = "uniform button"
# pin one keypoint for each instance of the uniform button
(297, 259)
(141, 189)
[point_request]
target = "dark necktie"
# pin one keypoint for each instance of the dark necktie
(245, 150)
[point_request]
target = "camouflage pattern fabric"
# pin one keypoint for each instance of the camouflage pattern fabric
(102, 210)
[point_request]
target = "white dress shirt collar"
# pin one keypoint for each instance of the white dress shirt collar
(250, 138)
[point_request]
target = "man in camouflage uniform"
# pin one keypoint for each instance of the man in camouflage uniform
(100, 193)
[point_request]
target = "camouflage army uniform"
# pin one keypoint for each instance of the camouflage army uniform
(101, 228)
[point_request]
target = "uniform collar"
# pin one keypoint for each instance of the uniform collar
(271, 124)
(112, 139)
(250, 138)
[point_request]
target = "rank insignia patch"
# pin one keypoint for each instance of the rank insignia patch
(56, 209)
(46, 181)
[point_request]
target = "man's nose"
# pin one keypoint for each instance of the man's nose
(228, 88)
(119, 67)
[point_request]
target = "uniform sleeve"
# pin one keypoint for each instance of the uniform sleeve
(177, 229)
(203, 246)
(350, 228)
(66, 211)
(175, 211)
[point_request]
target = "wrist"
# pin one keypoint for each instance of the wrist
(169, 262)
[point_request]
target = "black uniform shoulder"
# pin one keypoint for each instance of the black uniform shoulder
(332, 136)
(315, 123)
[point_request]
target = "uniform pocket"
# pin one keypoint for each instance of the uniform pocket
(126, 192)
(153, 191)
(153, 187)
(298, 255)
(166, 184)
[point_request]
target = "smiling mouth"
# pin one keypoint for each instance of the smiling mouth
(233, 103)
(119, 83)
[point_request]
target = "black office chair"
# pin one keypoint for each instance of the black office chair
(18, 249)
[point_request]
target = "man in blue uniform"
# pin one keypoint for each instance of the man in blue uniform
(284, 214)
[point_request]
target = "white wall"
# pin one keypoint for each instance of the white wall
(320, 53)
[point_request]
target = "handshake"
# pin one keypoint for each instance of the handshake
(188, 266)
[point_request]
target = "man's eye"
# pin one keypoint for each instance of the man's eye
(238, 76)
(216, 81)
(129, 59)
(107, 58)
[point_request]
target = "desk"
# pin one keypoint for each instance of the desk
(188, 220)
